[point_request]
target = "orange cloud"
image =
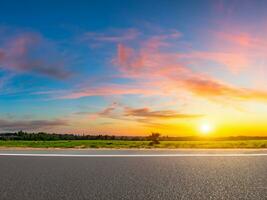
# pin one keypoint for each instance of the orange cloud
(161, 114)
(144, 115)
(206, 87)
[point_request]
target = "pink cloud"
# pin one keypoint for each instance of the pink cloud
(31, 53)
(157, 71)
(148, 60)
(235, 62)
(114, 35)
(235, 49)
(109, 90)
(233, 39)
(242, 39)
(169, 69)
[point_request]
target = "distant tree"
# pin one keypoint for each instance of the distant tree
(20, 133)
(154, 137)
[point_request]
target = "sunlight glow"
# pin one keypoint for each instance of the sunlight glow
(205, 128)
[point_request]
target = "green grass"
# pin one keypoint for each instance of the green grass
(117, 144)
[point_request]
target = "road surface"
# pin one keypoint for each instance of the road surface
(133, 174)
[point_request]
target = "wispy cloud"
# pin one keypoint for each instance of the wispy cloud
(107, 90)
(159, 114)
(170, 69)
(211, 88)
(112, 35)
(153, 69)
(29, 125)
(143, 115)
(32, 53)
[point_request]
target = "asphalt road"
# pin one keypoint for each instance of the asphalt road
(115, 178)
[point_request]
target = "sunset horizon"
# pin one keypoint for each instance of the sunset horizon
(179, 68)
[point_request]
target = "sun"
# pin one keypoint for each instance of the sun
(205, 128)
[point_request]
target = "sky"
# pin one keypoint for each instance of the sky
(180, 68)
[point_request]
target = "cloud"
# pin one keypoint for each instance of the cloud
(234, 61)
(107, 90)
(241, 39)
(144, 115)
(153, 69)
(159, 114)
(236, 50)
(13, 125)
(209, 88)
(31, 53)
(109, 110)
(148, 61)
(112, 36)
(169, 69)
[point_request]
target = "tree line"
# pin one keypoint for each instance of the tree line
(155, 137)
(42, 136)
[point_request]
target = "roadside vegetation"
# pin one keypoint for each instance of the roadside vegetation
(117, 144)
(44, 140)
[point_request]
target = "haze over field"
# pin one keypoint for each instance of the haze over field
(133, 67)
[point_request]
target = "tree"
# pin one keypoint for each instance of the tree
(154, 137)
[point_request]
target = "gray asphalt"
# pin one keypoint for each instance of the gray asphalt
(115, 178)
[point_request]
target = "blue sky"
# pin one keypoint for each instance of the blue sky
(104, 66)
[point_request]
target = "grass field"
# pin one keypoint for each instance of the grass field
(117, 144)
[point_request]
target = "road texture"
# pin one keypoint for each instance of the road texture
(145, 174)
